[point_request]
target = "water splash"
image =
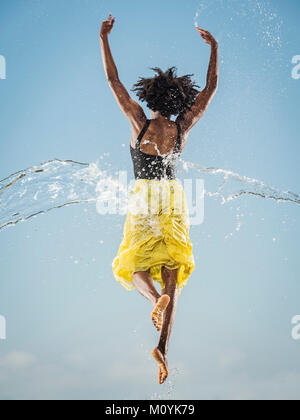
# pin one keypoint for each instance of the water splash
(59, 183)
(169, 394)
(232, 185)
(260, 14)
(40, 189)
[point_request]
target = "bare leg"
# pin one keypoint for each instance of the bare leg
(160, 352)
(170, 280)
(145, 286)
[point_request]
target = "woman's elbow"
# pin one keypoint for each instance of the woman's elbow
(212, 86)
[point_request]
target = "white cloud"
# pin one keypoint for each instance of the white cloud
(284, 385)
(17, 360)
(231, 358)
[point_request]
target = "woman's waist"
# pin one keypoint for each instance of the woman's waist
(158, 183)
(155, 168)
(162, 193)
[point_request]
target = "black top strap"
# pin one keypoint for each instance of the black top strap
(178, 144)
(142, 133)
(145, 128)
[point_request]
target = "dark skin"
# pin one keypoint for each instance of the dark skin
(160, 138)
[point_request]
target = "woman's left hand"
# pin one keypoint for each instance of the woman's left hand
(107, 26)
(207, 36)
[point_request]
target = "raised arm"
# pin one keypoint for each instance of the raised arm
(133, 111)
(191, 117)
(110, 68)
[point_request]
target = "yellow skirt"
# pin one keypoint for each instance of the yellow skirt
(156, 233)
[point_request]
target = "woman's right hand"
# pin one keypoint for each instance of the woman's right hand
(107, 26)
(208, 38)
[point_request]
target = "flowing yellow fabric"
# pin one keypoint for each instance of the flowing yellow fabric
(156, 233)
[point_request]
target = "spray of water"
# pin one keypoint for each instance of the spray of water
(60, 183)
(266, 23)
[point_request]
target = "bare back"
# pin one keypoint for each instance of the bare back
(160, 137)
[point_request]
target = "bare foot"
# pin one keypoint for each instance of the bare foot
(157, 313)
(163, 371)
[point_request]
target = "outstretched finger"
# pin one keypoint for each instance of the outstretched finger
(111, 19)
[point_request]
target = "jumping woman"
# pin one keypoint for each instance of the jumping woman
(156, 244)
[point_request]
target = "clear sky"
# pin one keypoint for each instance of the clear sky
(72, 330)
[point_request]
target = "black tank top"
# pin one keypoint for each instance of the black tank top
(148, 166)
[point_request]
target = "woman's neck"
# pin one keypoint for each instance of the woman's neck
(157, 116)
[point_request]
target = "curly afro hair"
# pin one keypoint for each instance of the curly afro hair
(167, 93)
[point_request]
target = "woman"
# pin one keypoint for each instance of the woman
(156, 244)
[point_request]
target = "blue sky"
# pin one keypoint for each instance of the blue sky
(72, 331)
